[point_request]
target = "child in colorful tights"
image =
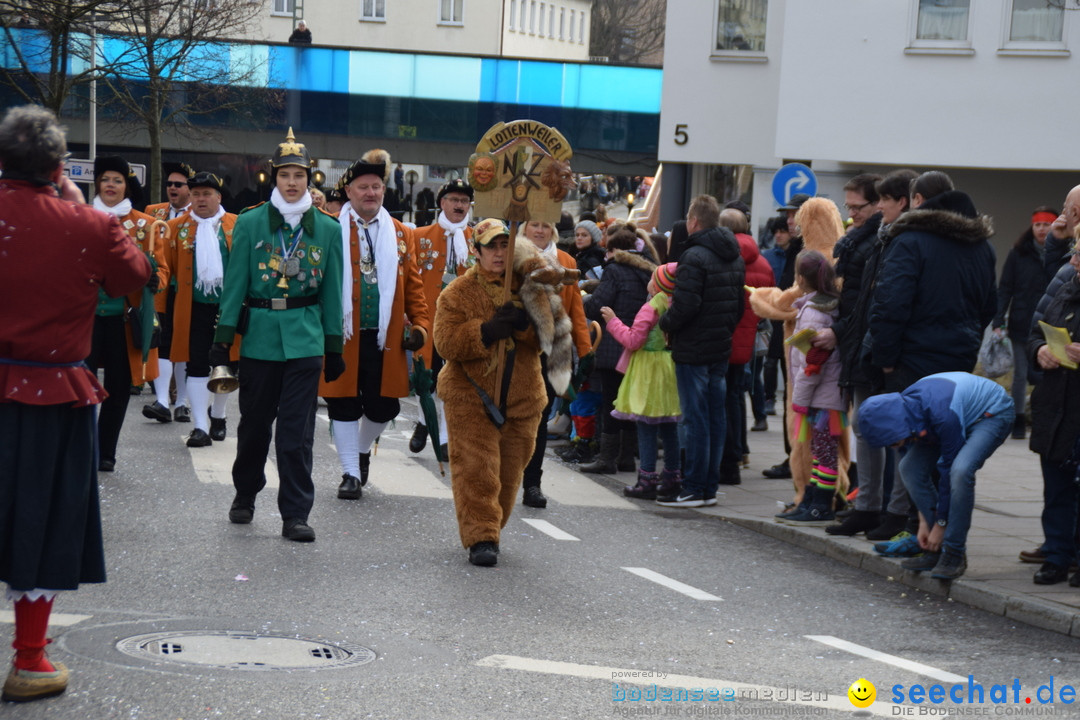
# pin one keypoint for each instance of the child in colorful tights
(648, 394)
(816, 397)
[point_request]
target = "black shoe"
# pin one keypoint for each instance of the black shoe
(136, 390)
(730, 478)
(365, 463)
(922, 563)
(181, 414)
(1074, 581)
(533, 497)
(1051, 574)
(891, 526)
(157, 411)
(779, 471)
(199, 438)
(856, 522)
(106, 466)
(419, 438)
(349, 489)
(1019, 429)
(242, 510)
(217, 429)
(484, 554)
(761, 425)
(297, 531)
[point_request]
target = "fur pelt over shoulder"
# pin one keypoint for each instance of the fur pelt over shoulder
(541, 277)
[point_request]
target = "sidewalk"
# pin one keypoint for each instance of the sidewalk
(1008, 504)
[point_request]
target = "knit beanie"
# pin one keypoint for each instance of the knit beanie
(664, 277)
(592, 229)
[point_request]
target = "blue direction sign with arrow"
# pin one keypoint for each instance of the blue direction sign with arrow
(792, 179)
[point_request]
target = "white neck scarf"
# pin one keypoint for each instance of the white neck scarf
(551, 250)
(384, 241)
(292, 212)
(120, 209)
(208, 252)
(457, 234)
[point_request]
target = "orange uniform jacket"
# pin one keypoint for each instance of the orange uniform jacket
(408, 300)
(152, 242)
(182, 263)
(575, 310)
(431, 248)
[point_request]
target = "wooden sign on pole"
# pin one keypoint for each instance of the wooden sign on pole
(519, 172)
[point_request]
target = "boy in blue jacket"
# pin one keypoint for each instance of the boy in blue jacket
(955, 421)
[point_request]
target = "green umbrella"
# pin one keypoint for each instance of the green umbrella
(422, 381)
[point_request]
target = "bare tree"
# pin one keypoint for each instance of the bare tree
(628, 31)
(49, 41)
(175, 65)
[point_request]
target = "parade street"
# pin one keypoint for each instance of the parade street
(597, 604)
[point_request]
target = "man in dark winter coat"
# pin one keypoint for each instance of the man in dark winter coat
(705, 308)
(936, 290)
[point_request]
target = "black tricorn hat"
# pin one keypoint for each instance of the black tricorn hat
(207, 180)
(373, 162)
(291, 152)
(183, 168)
(115, 163)
(455, 186)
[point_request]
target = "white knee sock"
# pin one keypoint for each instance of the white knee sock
(217, 407)
(347, 442)
(161, 385)
(440, 408)
(199, 395)
(369, 430)
(180, 373)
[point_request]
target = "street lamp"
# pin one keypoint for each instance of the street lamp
(411, 177)
(318, 178)
(629, 204)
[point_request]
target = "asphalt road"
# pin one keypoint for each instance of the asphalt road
(561, 628)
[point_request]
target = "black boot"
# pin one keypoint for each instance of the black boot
(891, 525)
(1019, 432)
(605, 459)
(627, 451)
(858, 521)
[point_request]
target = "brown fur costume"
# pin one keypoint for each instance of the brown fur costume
(822, 227)
(486, 463)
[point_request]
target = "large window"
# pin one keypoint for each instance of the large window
(740, 26)
(373, 10)
(283, 7)
(451, 11)
(943, 20)
(513, 15)
(1036, 21)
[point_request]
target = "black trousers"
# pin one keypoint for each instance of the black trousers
(535, 469)
(369, 401)
(735, 410)
(610, 380)
(109, 352)
(288, 392)
(201, 336)
(165, 320)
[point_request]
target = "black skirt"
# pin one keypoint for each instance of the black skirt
(50, 521)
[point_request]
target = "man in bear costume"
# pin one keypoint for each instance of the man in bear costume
(821, 227)
(493, 429)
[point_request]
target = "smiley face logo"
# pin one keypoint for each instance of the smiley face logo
(862, 693)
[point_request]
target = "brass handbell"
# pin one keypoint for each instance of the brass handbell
(222, 381)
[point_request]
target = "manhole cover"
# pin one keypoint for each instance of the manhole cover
(244, 651)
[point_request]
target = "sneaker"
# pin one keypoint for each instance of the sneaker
(181, 414)
(922, 563)
(761, 425)
(707, 501)
(950, 566)
(559, 427)
(906, 546)
(157, 411)
(27, 685)
(484, 554)
(533, 497)
(684, 499)
(217, 429)
(297, 530)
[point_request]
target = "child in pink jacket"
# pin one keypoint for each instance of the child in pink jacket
(648, 394)
(815, 393)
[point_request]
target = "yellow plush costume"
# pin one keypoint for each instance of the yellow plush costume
(822, 227)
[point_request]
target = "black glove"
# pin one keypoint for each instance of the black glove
(333, 366)
(219, 354)
(501, 325)
(154, 282)
(414, 340)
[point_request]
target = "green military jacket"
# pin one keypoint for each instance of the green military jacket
(280, 335)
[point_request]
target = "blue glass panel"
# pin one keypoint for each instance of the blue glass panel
(249, 65)
(282, 73)
(540, 83)
(571, 89)
(489, 75)
(377, 73)
(441, 77)
(316, 69)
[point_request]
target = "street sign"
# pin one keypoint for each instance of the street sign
(792, 179)
(82, 171)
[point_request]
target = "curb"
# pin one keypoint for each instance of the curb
(974, 593)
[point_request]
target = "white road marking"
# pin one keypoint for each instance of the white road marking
(634, 676)
(548, 529)
(915, 667)
(55, 619)
(673, 584)
(213, 464)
